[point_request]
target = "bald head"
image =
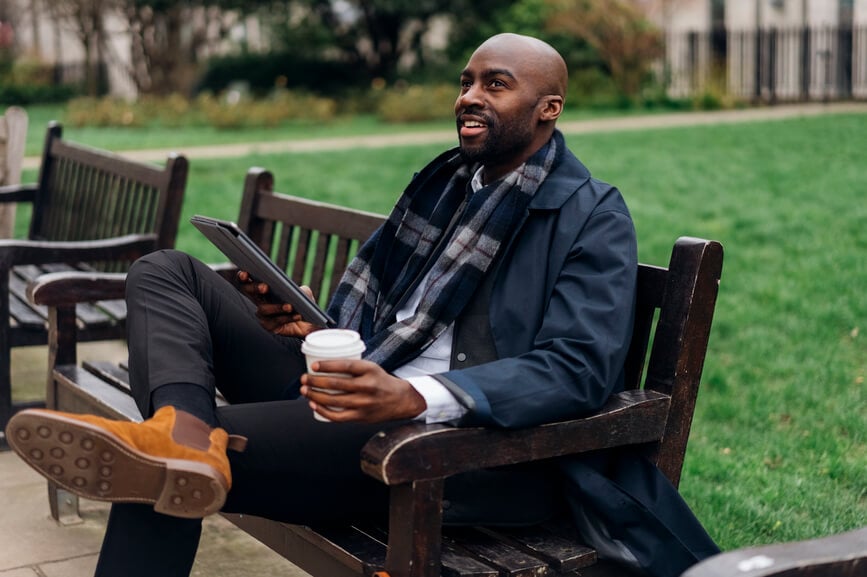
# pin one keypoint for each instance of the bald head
(512, 93)
(533, 57)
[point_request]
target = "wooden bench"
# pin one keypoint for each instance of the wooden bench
(675, 308)
(842, 555)
(90, 210)
(13, 136)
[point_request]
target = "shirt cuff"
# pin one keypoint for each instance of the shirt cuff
(442, 406)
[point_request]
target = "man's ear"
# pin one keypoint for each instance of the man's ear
(551, 107)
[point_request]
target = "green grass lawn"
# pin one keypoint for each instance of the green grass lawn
(121, 138)
(778, 449)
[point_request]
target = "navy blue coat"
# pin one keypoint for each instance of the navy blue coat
(560, 308)
(556, 321)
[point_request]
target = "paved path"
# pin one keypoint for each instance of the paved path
(621, 123)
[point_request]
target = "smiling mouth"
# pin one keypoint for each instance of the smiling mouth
(471, 127)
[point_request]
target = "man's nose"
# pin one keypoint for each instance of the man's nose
(470, 98)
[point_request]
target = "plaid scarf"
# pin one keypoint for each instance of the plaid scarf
(387, 267)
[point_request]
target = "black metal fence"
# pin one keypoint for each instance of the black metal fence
(770, 65)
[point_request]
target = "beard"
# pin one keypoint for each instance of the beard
(502, 141)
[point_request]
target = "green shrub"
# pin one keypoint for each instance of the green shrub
(25, 82)
(174, 110)
(24, 95)
(416, 103)
(242, 111)
(88, 111)
(590, 87)
(227, 111)
(265, 72)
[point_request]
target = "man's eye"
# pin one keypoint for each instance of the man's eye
(497, 83)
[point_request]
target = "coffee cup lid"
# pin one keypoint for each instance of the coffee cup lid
(333, 341)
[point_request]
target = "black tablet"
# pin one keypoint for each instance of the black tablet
(246, 255)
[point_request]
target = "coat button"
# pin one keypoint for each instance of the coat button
(462, 357)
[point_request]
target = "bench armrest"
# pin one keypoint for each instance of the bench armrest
(425, 452)
(62, 289)
(129, 247)
(18, 192)
(59, 289)
(843, 555)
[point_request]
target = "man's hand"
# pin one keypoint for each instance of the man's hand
(368, 394)
(276, 317)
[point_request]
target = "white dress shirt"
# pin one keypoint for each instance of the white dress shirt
(441, 404)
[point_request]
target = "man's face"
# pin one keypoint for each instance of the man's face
(496, 112)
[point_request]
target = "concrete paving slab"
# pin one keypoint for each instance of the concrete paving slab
(33, 545)
(78, 567)
(23, 572)
(29, 536)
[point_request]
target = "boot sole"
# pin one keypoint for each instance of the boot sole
(95, 464)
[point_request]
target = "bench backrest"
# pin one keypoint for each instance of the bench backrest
(674, 311)
(90, 194)
(312, 241)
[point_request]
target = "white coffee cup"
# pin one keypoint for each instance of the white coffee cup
(330, 344)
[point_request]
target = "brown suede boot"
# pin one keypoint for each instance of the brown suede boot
(173, 460)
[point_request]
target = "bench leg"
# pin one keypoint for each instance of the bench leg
(64, 506)
(415, 529)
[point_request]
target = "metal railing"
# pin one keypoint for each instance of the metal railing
(770, 65)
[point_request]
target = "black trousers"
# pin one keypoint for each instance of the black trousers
(186, 324)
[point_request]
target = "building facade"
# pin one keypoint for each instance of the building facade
(766, 50)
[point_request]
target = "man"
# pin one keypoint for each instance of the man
(499, 292)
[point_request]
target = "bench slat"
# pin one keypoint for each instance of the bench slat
(510, 561)
(89, 314)
(457, 564)
(76, 387)
(455, 561)
(116, 309)
(349, 540)
(24, 315)
(115, 375)
(300, 544)
(560, 546)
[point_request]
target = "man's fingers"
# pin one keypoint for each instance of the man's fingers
(272, 310)
(350, 366)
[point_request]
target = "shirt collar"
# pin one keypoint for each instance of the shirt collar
(476, 183)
